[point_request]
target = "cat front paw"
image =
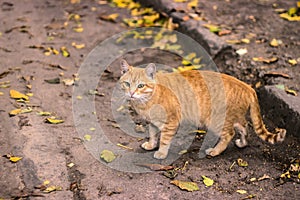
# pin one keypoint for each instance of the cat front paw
(148, 146)
(160, 155)
(211, 152)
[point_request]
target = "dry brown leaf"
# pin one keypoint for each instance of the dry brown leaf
(263, 177)
(224, 32)
(265, 60)
(125, 147)
(276, 74)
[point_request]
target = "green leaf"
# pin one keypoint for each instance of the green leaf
(87, 137)
(212, 28)
(184, 185)
(292, 11)
(207, 181)
(107, 156)
(280, 86)
(53, 81)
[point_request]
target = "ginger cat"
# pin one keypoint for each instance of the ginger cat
(206, 98)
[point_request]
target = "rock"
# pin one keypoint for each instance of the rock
(282, 108)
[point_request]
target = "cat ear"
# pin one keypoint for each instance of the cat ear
(125, 67)
(151, 70)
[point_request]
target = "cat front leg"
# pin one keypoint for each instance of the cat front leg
(166, 136)
(153, 138)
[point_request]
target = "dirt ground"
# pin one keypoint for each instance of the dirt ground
(56, 153)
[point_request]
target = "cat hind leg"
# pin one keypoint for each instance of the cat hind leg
(225, 138)
(241, 142)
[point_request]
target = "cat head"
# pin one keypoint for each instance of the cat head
(137, 83)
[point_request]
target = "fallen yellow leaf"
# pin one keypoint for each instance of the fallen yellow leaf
(14, 159)
(111, 17)
(241, 191)
(29, 94)
(286, 175)
(192, 4)
(180, 1)
(68, 82)
(275, 43)
(64, 51)
(78, 29)
(241, 51)
(20, 111)
(1, 93)
(184, 151)
(78, 46)
(207, 181)
(18, 95)
(190, 56)
(245, 40)
(53, 120)
(293, 62)
(289, 18)
(186, 62)
(107, 156)
(290, 91)
(242, 163)
(120, 3)
(43, 113)
(52, 189)
(87, 137)
(185, 185)
(15, 112)
(46, 182)
(70, 165)
(187, 68)
(47, 52)
(149, 19)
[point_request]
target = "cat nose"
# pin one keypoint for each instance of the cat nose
(132, 93)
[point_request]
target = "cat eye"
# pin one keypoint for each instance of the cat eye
(127, 84)
(141, 85)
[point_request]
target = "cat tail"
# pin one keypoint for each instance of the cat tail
(259, 126)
